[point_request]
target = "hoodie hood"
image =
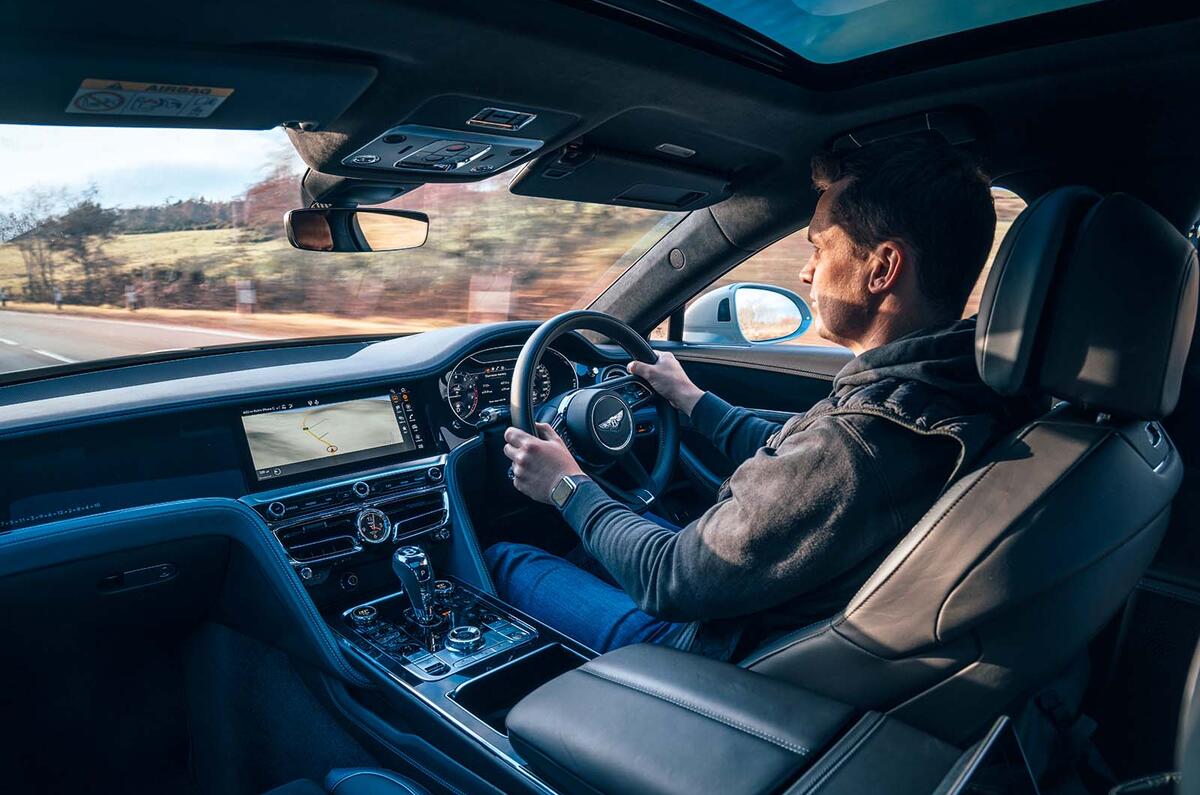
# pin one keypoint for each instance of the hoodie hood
(941, 357)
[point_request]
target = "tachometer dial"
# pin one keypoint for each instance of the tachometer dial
(462, 392)
(541, 385)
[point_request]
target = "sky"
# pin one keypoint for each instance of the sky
(136, 166)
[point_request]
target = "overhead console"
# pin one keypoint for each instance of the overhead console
(414, 148)
(458, 136)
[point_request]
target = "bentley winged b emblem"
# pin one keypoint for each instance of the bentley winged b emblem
(612, 423)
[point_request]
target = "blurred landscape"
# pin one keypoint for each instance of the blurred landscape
(227, 265)
(490, 256)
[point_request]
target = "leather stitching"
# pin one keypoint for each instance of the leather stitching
(786, 745)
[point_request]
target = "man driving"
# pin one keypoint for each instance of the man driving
(901, 232)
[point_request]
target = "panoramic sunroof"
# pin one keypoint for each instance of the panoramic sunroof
(835, 31)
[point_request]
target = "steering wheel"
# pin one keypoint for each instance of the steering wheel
(597, 422)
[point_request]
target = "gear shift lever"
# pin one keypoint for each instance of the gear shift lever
(411, 565)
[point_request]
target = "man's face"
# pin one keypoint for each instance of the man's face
(841, 303)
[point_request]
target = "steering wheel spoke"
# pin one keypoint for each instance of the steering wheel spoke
(638, 497)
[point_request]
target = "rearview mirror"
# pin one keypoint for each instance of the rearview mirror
(746, 314)
(347, 229)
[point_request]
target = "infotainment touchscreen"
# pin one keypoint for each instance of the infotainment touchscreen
(290, 438)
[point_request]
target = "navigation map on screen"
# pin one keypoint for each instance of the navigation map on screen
(284, 442)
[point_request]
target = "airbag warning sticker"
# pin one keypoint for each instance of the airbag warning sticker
(123, 98)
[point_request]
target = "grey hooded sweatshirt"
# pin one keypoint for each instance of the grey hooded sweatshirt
(815, 504)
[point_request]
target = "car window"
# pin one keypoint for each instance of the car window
(780, 263)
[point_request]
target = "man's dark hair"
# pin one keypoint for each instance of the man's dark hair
(921, 191)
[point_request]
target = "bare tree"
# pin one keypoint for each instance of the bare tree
(30, 228)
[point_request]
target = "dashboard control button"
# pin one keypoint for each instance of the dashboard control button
(348, 581)
(361, 489)
(364, 616)
(442, 588)
(277, 509)
(464, 639)
(434, 474)
(306, 573)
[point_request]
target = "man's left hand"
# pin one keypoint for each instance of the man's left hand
(538, 464)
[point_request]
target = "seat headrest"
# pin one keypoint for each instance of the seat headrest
(1091, 299)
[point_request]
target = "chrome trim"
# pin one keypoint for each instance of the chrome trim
(358, 517)
(258, 498)
(353, 508)
(620, 368)
(625, 410)
(397, 537)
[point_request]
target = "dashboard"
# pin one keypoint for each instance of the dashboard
(221, 428)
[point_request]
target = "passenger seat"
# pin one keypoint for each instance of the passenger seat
(354, 781)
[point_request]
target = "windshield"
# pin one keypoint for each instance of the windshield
(120, 241)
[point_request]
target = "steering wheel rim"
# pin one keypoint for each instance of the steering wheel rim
(650, 484)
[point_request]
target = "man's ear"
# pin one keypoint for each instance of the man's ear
(889, 261)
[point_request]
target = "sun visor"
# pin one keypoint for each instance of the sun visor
(148, 88)
(585, 174)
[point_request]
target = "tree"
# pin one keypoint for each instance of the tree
(80, 233)
(30, 229)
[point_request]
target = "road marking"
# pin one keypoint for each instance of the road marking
(9, 342)
(54, 356)
(164, 326)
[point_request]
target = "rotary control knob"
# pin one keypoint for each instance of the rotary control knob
(277, 509)
(373, 525)
(464, 639)
(363, 616)
(442, 588)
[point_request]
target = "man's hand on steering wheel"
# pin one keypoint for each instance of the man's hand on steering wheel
(538, 464)
(668, 379)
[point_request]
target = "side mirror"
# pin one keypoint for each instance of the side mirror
(347, 229)
(746, 314)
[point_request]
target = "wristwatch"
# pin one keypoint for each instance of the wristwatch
(561, 494)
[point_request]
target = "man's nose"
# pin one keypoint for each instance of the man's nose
(806, 273)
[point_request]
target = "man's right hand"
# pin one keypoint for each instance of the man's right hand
(669, 380)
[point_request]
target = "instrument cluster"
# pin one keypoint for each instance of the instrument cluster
(484, 380)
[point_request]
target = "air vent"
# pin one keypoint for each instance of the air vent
(320, 540)
(613, 371)
(418, 514)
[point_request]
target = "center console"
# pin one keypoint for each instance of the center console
(451, 627)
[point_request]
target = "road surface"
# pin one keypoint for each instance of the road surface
(30, 340)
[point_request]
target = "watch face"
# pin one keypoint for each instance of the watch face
(561, 492)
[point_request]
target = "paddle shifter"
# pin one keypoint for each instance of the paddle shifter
(412, 566)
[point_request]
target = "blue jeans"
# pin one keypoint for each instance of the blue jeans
(575, 602)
